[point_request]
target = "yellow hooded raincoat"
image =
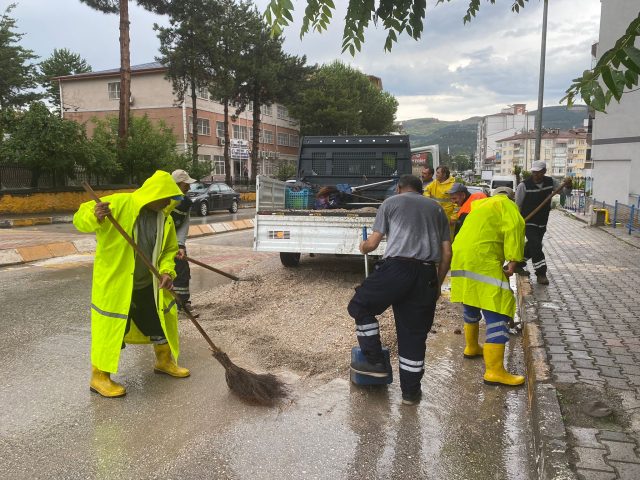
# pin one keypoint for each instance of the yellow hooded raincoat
(439, 192)
(492, 233)
(114, 265)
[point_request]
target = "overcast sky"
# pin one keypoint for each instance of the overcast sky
(455, 71)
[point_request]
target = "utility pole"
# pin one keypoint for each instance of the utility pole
(543, 49)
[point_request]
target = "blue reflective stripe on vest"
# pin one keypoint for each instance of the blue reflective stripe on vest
(109, 314)
(481, 278)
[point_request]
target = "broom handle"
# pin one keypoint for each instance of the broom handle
(213, 269)
(548, 199)
(149, 265)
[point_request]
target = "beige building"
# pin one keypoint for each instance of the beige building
(565, 152)
(97, 94)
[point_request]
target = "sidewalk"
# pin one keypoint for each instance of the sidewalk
(583, 347)
(22, 245)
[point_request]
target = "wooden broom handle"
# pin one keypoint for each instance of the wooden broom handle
(213, 269)
(149, 265)
(548, 199)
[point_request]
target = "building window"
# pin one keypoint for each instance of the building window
(217, 168)
(205, 160)
(283, 114)
(202, 92)
(220, 129)
(283, 139)
(203, 126)
(266, 110)
(240, 132)
(114, 90)
(293, 140)
(268, 137)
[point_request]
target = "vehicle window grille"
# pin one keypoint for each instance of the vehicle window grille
(319, 163)
(354, 163)
(389, 163)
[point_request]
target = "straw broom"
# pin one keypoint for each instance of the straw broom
(261, 389)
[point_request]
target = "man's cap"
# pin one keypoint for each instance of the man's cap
(458, 187)
(538, 166)
(505, 191)
(182, 176)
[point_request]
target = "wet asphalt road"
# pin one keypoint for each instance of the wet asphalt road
(51, 426)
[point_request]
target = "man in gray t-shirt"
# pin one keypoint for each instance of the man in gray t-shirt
(415, 263)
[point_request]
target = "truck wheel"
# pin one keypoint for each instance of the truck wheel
(290, 259)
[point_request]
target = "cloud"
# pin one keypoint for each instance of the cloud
(454, 71)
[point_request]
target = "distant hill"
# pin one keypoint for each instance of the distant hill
(460, 136)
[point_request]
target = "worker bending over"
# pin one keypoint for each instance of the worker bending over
(461, 197)
(415, 262)
(493, 233)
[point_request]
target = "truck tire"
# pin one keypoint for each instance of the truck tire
(290, 259)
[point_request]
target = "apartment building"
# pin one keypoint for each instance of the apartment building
(97, 94)
(500, 125)
(565, 152)
(615, 150)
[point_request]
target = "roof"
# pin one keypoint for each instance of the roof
(114, 72)
(547, 135)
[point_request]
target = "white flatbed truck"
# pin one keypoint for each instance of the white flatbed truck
(371, 165)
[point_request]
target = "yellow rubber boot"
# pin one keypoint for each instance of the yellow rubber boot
(472, 348)
(102, 384)
(495, 374)
(166, 364)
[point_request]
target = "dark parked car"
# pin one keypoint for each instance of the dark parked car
(213, 196)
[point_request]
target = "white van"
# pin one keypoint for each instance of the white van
(503, 181)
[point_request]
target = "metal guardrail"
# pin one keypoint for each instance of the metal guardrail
(620, 214)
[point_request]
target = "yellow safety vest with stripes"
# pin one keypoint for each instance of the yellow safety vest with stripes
(492, 233)
(114, 265)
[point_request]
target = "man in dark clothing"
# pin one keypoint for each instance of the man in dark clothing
(529, 194)
(415, 262)
(181, 216)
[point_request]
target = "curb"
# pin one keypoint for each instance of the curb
(17, 256)
(62, 218)
(549, 432)
(31, 221)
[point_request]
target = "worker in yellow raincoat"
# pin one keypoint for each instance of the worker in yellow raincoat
(492, 233)
(439, 191)
(128, 304)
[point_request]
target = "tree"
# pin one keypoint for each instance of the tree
(231, 35)
(122, 8)
(270, 75)
(406, 16)
(19, 74)
(61, 62)
(149, 147)
(339, 100)
(184, 48)
(42, 141)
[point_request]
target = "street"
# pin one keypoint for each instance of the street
(53, 427)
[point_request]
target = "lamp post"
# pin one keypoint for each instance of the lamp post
(543, 49)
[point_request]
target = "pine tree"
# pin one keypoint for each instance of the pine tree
(19, 73)
(61, 62)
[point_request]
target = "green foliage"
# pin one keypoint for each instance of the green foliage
(18, 72)
(618, 68)
(150, 147)
(339, 100)
(61, 62)
(41, 140)
(286, 171)
(184, 49)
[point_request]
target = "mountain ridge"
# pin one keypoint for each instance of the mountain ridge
(459, 136)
